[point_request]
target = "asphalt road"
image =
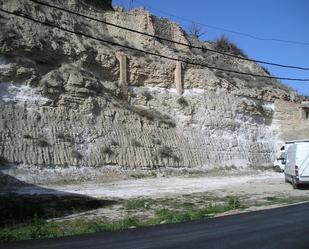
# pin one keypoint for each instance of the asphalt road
(281, 228)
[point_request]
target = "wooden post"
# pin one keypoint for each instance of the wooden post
(179, 78)
(123, 77)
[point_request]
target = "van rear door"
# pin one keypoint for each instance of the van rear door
(303, 159)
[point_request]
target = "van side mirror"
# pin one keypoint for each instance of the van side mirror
(283, 161)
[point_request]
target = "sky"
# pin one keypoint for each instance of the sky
(268, 19)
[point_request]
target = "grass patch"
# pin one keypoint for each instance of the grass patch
(164, 210)
(137, 204)
(38, 228)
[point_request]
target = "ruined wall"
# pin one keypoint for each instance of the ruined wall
(290, 122)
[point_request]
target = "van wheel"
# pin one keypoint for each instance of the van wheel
(277, 169)
(295, 185)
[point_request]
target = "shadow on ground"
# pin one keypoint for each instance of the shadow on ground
(44, 203)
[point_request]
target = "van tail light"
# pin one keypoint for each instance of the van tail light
(296, 171)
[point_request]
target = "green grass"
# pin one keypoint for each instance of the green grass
(164, 210)
(172, 211)
(39, 228)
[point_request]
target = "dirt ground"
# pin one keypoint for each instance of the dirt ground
(144, 198)
(261, 184)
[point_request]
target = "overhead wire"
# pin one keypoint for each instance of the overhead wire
(18, 14)
(203, 48)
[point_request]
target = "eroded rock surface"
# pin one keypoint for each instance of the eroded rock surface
(61, 105)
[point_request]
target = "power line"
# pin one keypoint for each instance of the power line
(168, 40)
(224, 29)
(145, 52)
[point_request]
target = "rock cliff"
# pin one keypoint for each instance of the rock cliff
(63, 114)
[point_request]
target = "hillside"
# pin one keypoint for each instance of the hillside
(64, 116)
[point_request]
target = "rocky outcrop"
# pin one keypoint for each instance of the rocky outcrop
(61, 105)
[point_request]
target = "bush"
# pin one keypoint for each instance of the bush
(223, 44)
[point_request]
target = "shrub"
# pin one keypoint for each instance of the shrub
(42, 142)
(135, 143)
(266, 70)
(27, 136)
(3, 160)
(147, 95)
(156, 141)
(114, 143)
(223, 44)
(76, 154)
(64, 137)
(165, 152)
(233, 202)
(107, 150)
(182, 101)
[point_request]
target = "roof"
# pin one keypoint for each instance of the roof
(297, 141)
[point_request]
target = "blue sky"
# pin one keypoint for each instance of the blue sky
(278, 19)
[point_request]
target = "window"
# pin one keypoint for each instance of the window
(306, 114)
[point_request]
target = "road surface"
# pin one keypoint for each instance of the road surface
(281, 228)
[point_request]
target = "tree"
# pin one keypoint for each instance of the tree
(195, 30)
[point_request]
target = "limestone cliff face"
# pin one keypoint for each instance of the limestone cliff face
(60, 102)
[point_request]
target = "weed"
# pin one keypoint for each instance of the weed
(233, 203)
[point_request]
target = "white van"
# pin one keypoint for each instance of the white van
(297, 163)
(279, 163)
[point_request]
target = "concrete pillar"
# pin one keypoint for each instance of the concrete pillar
(123, 77)
(179, 78)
